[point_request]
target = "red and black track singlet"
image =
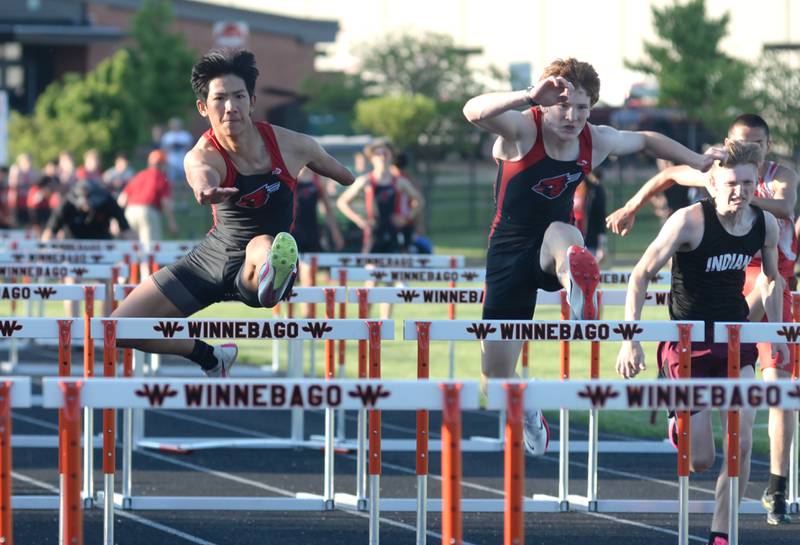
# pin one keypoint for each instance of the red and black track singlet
(536, 190)
(382, 201)
(265, 202)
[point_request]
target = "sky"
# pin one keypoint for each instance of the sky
(604, 32)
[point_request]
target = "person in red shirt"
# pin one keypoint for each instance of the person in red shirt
(146, 197)
(90, 169)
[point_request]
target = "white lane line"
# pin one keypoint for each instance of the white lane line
(229, 476)
(498, 492)
(124, 514)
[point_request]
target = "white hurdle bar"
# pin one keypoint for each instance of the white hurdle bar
(86, 293)
(408, 275)
(679, 395)
(535, 330)
(373, 395)
(173, 329)
(417, 261)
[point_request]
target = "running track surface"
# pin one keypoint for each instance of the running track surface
(260, 473)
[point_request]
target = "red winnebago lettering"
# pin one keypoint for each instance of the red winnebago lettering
(433, 275)
(244, 330)
(553, 331)
(451, 296)
(15, 293)
(34, 270)
(701, 396)
(262, 395)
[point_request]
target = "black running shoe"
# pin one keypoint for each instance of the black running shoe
(775, 504)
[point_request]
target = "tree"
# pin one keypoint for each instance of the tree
(162, 63)
(95, 111)
(112, 107)
(692, 73)
(431, 65)
(775, 85)
(332, 100)
(401, 118)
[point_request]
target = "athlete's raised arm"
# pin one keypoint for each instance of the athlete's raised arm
(784, 194)
(610, 141)
(498, 112)
(621, 221)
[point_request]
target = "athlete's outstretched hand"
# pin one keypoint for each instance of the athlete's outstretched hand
(620, 221)
(707, 159)
(216, 195)
(551, 91)
(630, 361)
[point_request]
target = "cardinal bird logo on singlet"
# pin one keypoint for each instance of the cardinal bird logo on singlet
(555, 186)
(259, 197)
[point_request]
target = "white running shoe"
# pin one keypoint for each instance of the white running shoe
(536, 433)
(226, 357)
(277, 274)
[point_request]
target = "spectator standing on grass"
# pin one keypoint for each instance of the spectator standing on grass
(90, 169)
(175, 143)
(148, 197)
(39, 198)
(21, 178)
(117, 177)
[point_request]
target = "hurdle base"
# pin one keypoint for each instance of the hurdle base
(350, 502)
(301, 502)
(46, 441)
(185, 445)
(35, 502)
(581, 503)
(493, 444)
(540, 503)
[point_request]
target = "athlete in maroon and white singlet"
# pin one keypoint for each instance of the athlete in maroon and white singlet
(711, 244)
(542, 154)
(775, 192)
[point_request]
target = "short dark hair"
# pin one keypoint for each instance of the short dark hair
(221, 62)
(751, 121)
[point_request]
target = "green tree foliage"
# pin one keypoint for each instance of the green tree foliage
(95, 111)
(401, 117)
(775, 84)
(332, 99)
(162, 64)
(693, 73)
(431, 65)
(112, 107)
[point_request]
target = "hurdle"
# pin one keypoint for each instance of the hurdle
(88, 293)
(524, 330)
(772, 332)
(681, 395)
(327, 330)
(374, 395)
(14, 392)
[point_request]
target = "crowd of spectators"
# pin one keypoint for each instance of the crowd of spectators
(62, 199)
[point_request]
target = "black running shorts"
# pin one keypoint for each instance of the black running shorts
(207, 275)
(513, 277)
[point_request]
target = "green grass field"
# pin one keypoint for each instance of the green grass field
(399, 357)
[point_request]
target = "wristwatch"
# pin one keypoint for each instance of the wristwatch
(528, 98)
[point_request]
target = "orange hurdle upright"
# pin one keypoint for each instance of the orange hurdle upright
(6, 523)
(734, 456)
(451, 465)
(684, 430)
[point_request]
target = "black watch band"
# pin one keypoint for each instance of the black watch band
(528, 98)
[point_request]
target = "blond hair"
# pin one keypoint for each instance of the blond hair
(369, 149)
(741, 153)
